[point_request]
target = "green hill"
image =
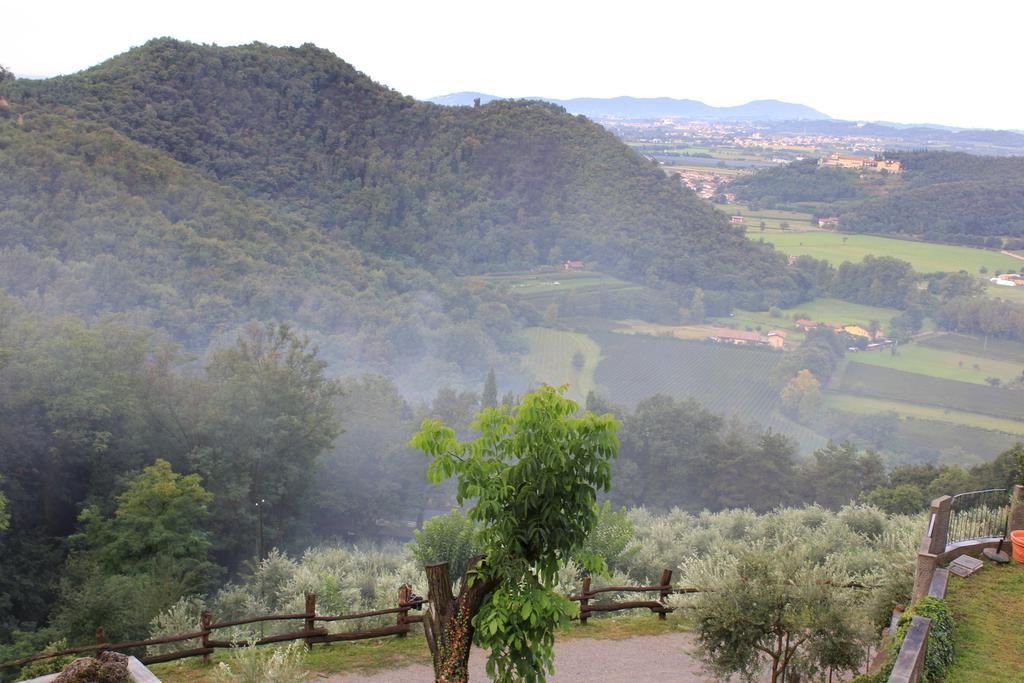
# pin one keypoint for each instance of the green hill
(507, 185)
(96, 223)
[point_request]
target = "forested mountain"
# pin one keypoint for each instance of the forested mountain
(200, 187)
(456, 189)
(939, 196)
(952, 197)
(95, 223)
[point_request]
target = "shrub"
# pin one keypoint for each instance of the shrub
(183, 616)
(939, 653)
(450, 538)
(47, 666)
(251, 664)
(612, 537)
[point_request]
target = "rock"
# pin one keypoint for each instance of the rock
(106, 667)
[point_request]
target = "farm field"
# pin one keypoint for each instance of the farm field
(999, 349)
(681, 166)
(531, 283)
(772, 218)
(861, 379)
(924, 256)
(550, 360)
(728, 380)
(656, 329)
(928, 360)
(861, 405)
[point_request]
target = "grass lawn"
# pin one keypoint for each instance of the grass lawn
(862, 405)
(772, 219)
(927, 360)
(393, 653)
(550, 359)
(925, 257)
(1011, 294)
(987, 608)
(992, 347)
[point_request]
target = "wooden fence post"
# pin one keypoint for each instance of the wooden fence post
(310, 621)
(205, 619)
(101, 637)
(404, 595)
(666, 583)
(584, 600)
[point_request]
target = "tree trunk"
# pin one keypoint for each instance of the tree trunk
(448, 623)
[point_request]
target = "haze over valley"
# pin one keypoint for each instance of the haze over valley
(245, 290)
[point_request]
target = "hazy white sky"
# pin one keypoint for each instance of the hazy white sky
(897, 60)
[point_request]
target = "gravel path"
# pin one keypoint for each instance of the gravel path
(629, 660)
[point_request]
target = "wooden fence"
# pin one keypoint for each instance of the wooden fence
(313, 634)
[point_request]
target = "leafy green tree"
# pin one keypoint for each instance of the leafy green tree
(776, 608)
(838, 474)
(269, 418)
(158, 523)
(534, 473)
(133, 564)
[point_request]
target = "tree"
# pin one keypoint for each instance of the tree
(5, 519)
(158, 522)
(133, 564)
(697, 311)
(776, 607)
(6, 74)
(269, 418)
(837, 474)
(489, 399)
(534, 473)
(802, 396)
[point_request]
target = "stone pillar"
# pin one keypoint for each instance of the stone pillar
(923, 574)
(938, 525)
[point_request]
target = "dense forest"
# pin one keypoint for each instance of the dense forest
(940, 196)
(799, 181)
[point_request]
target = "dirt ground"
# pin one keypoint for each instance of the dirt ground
(630, 660)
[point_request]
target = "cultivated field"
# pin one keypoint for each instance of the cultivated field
(861, 405)
(924, 256)
(656, 329)
(861, 379)
(999, 349)
(726, 379)
(550, 360)
(947, 364)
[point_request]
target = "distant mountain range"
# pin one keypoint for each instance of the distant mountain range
(659, 107)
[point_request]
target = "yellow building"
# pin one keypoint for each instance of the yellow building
(890, 165)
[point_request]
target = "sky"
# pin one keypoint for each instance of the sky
(951, 63)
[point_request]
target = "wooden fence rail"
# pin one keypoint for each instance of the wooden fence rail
(312, 634)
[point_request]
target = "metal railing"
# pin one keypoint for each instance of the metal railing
(977, 515)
